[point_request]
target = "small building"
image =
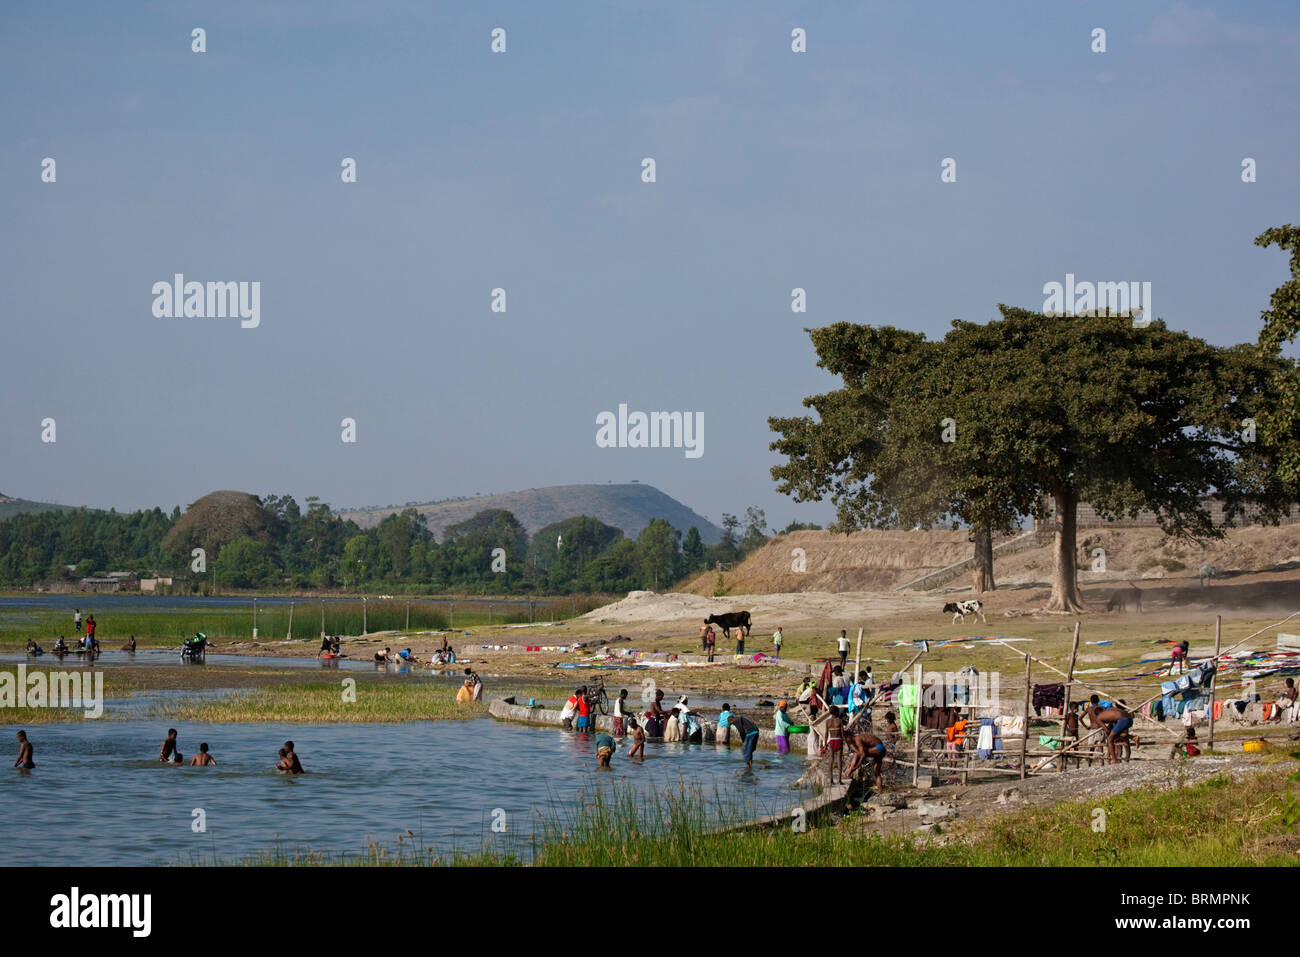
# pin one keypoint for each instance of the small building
(149, 586)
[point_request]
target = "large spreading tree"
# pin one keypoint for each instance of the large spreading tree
(996, 420)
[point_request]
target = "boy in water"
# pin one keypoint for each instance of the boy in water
(724, 725)
(604, 749)
(291, 762)
(584, 711)
(748, 732)
(620, 713)
(202, 759)
(178, 760)
(638, 740)
(24, 752)
(569, 710)
(168, 746)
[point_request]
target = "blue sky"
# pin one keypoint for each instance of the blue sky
(522, 171)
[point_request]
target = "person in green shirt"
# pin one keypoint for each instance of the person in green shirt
(783, 723)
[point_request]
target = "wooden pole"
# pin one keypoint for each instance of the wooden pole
(857, 662)
(408, 616)
(1069, 681)
(1024, 745)
(916, 731)
(289, 637)
(1218, 639)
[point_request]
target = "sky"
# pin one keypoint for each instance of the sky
(523, 171)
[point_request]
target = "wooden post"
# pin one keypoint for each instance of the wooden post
(857, 662)
(1218, 638)
(408, 616)
(916, 731)
(289, 637)
(322, 619)
(1069, 681)
(1024, 745)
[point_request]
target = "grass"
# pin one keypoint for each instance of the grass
(166, 625)
(318, 702)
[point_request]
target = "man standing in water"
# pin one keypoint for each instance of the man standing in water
(290, 762)
(24, 752)
(76, 622)
(748, 733)
(168, 745)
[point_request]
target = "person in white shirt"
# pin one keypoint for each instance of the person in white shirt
(843, 644)
(778, 640)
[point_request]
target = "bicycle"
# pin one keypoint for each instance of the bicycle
(597, 697)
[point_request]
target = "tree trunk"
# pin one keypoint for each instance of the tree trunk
(1065, 585)
(983, 574)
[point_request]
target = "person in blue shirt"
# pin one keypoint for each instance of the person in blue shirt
(724, 725)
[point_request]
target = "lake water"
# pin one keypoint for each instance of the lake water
(98, 796)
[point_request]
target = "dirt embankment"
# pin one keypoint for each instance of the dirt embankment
(879, 561)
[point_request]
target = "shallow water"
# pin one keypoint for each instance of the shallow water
(98, 796)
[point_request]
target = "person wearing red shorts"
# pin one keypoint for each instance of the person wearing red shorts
(834, 731)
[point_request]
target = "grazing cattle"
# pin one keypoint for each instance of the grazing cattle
(1119, 601)
(960, 609)
(732, 619)
(1206, 573)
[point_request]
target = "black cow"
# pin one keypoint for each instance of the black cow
(732, 619)
(1119, 601)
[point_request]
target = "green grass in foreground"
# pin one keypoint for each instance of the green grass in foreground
(1219, 822)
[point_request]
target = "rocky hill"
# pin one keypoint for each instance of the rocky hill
(629, 506)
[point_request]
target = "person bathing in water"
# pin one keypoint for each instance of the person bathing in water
(202, 759)
(289, 762)
(638, 740)
(24, 752)
(604, 749)
(168, 746)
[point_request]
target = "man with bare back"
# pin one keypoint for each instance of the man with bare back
(865, 744)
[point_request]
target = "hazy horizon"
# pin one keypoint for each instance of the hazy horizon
(522, 170)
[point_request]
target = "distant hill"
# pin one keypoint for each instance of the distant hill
(629, 507)
(9, 507)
